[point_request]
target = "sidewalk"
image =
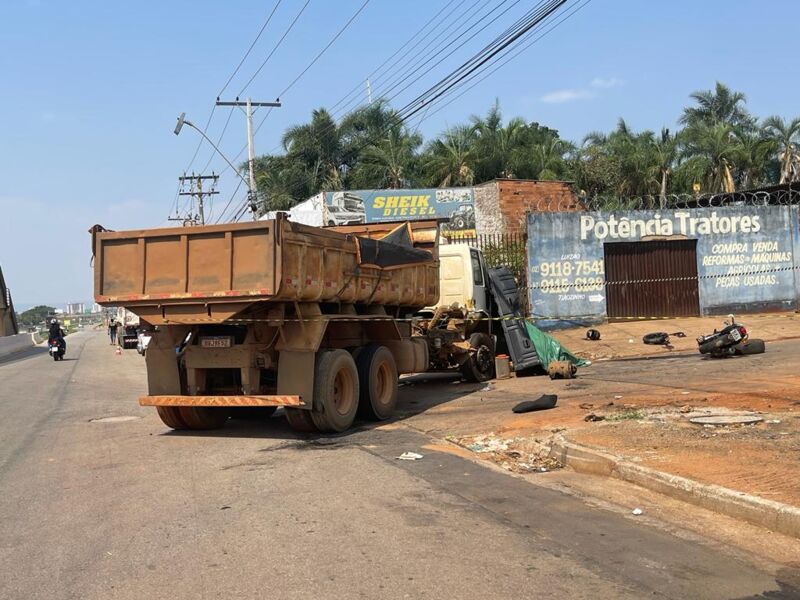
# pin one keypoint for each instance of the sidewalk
(624, 339)
(638, 410)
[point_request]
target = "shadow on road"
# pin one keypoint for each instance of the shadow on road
(417, 394)
(23, 355)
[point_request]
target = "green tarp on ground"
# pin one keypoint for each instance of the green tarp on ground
(549, 349)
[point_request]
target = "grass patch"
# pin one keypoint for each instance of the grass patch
(626, 415)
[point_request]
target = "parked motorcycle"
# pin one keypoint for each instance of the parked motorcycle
(731, 340)
(57, 347)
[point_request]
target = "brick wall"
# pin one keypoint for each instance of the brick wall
(501, 205)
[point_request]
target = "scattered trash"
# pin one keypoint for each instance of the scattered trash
(591, 417)
(715, 420)
(502, 367)
(409, 456)
(637, 511)
(593, 334)
(488, 388)
(543, 402)
(678, 334)
(224, 507)
(617, 397)
(586, 405)
(773, 421)
(685, 393)
(630, 340)
(659, 338)
(685, 409)
(488, 444)
(561, 369)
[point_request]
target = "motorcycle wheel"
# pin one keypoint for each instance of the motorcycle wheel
(750, 347)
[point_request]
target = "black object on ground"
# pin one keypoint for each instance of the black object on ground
(658, 338)
(506, 296)
(678, 334)
(543, 402)
(593, 335)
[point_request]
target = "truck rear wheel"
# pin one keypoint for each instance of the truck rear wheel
(171, 417)
(202, 417)
(300, 420)
(377, 380)
(336, 391)
(480, 364)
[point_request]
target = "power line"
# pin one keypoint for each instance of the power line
(483, 59)
(250, 49)
(280, 41)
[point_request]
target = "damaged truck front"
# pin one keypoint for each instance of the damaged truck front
(273, 313)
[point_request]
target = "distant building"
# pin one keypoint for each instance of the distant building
(75, 308)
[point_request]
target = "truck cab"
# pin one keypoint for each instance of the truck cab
(463, 278)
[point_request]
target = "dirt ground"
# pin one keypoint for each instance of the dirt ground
(639, 408)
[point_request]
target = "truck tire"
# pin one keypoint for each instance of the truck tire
(336, 391)
(203, 417)
(300, 420)
(755, 346)
(480, 364)
(377, 380)
(171, 417)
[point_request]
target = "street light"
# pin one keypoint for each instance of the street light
(182, 120)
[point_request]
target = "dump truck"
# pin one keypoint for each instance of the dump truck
(319, 321)
(128, 330)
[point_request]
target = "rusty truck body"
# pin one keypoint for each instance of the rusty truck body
(275, 313)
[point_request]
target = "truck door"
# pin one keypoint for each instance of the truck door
(479, 281)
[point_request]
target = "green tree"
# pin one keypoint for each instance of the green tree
(450, 160)
(720, 106)
(785, 136)
(35, 317)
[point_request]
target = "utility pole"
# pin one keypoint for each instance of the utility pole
(198, 193)
(251, 151)
(369, 91)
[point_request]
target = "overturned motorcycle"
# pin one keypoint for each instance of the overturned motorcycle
(732, 340)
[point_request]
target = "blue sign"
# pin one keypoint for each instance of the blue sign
(376, 206)
(745, 256)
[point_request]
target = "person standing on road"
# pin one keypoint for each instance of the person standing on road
(112, 331)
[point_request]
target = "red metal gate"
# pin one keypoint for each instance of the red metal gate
(652, 279)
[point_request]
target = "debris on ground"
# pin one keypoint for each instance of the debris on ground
(519, 455)
(409, 456)
(658, 338)
(543, 402)
(561, 369)
(714, 420)
(488, 388)
(591, 417)
(637, 511)
(593, 334)
(586, 405)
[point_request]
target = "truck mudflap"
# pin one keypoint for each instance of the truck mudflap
(223, 401)
(506, 295)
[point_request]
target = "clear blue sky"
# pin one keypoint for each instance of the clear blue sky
(91, 90)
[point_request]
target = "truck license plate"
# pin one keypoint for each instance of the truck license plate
(215, 342)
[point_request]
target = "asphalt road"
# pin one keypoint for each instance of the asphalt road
(127, 509)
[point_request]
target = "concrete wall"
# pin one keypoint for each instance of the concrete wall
(746, 258)
(501, 204)
(11, 344)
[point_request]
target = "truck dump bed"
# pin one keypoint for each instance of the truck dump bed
(215, 272)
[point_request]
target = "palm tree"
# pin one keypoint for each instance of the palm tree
(786, 136)
(388, 162)
(718, 106)
(710, 153)
(450, 160)
(756, 150)
(496, 144)
(547, 160)
(665, 153)
(318, 145)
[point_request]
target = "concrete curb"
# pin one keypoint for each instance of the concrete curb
(775, 516)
